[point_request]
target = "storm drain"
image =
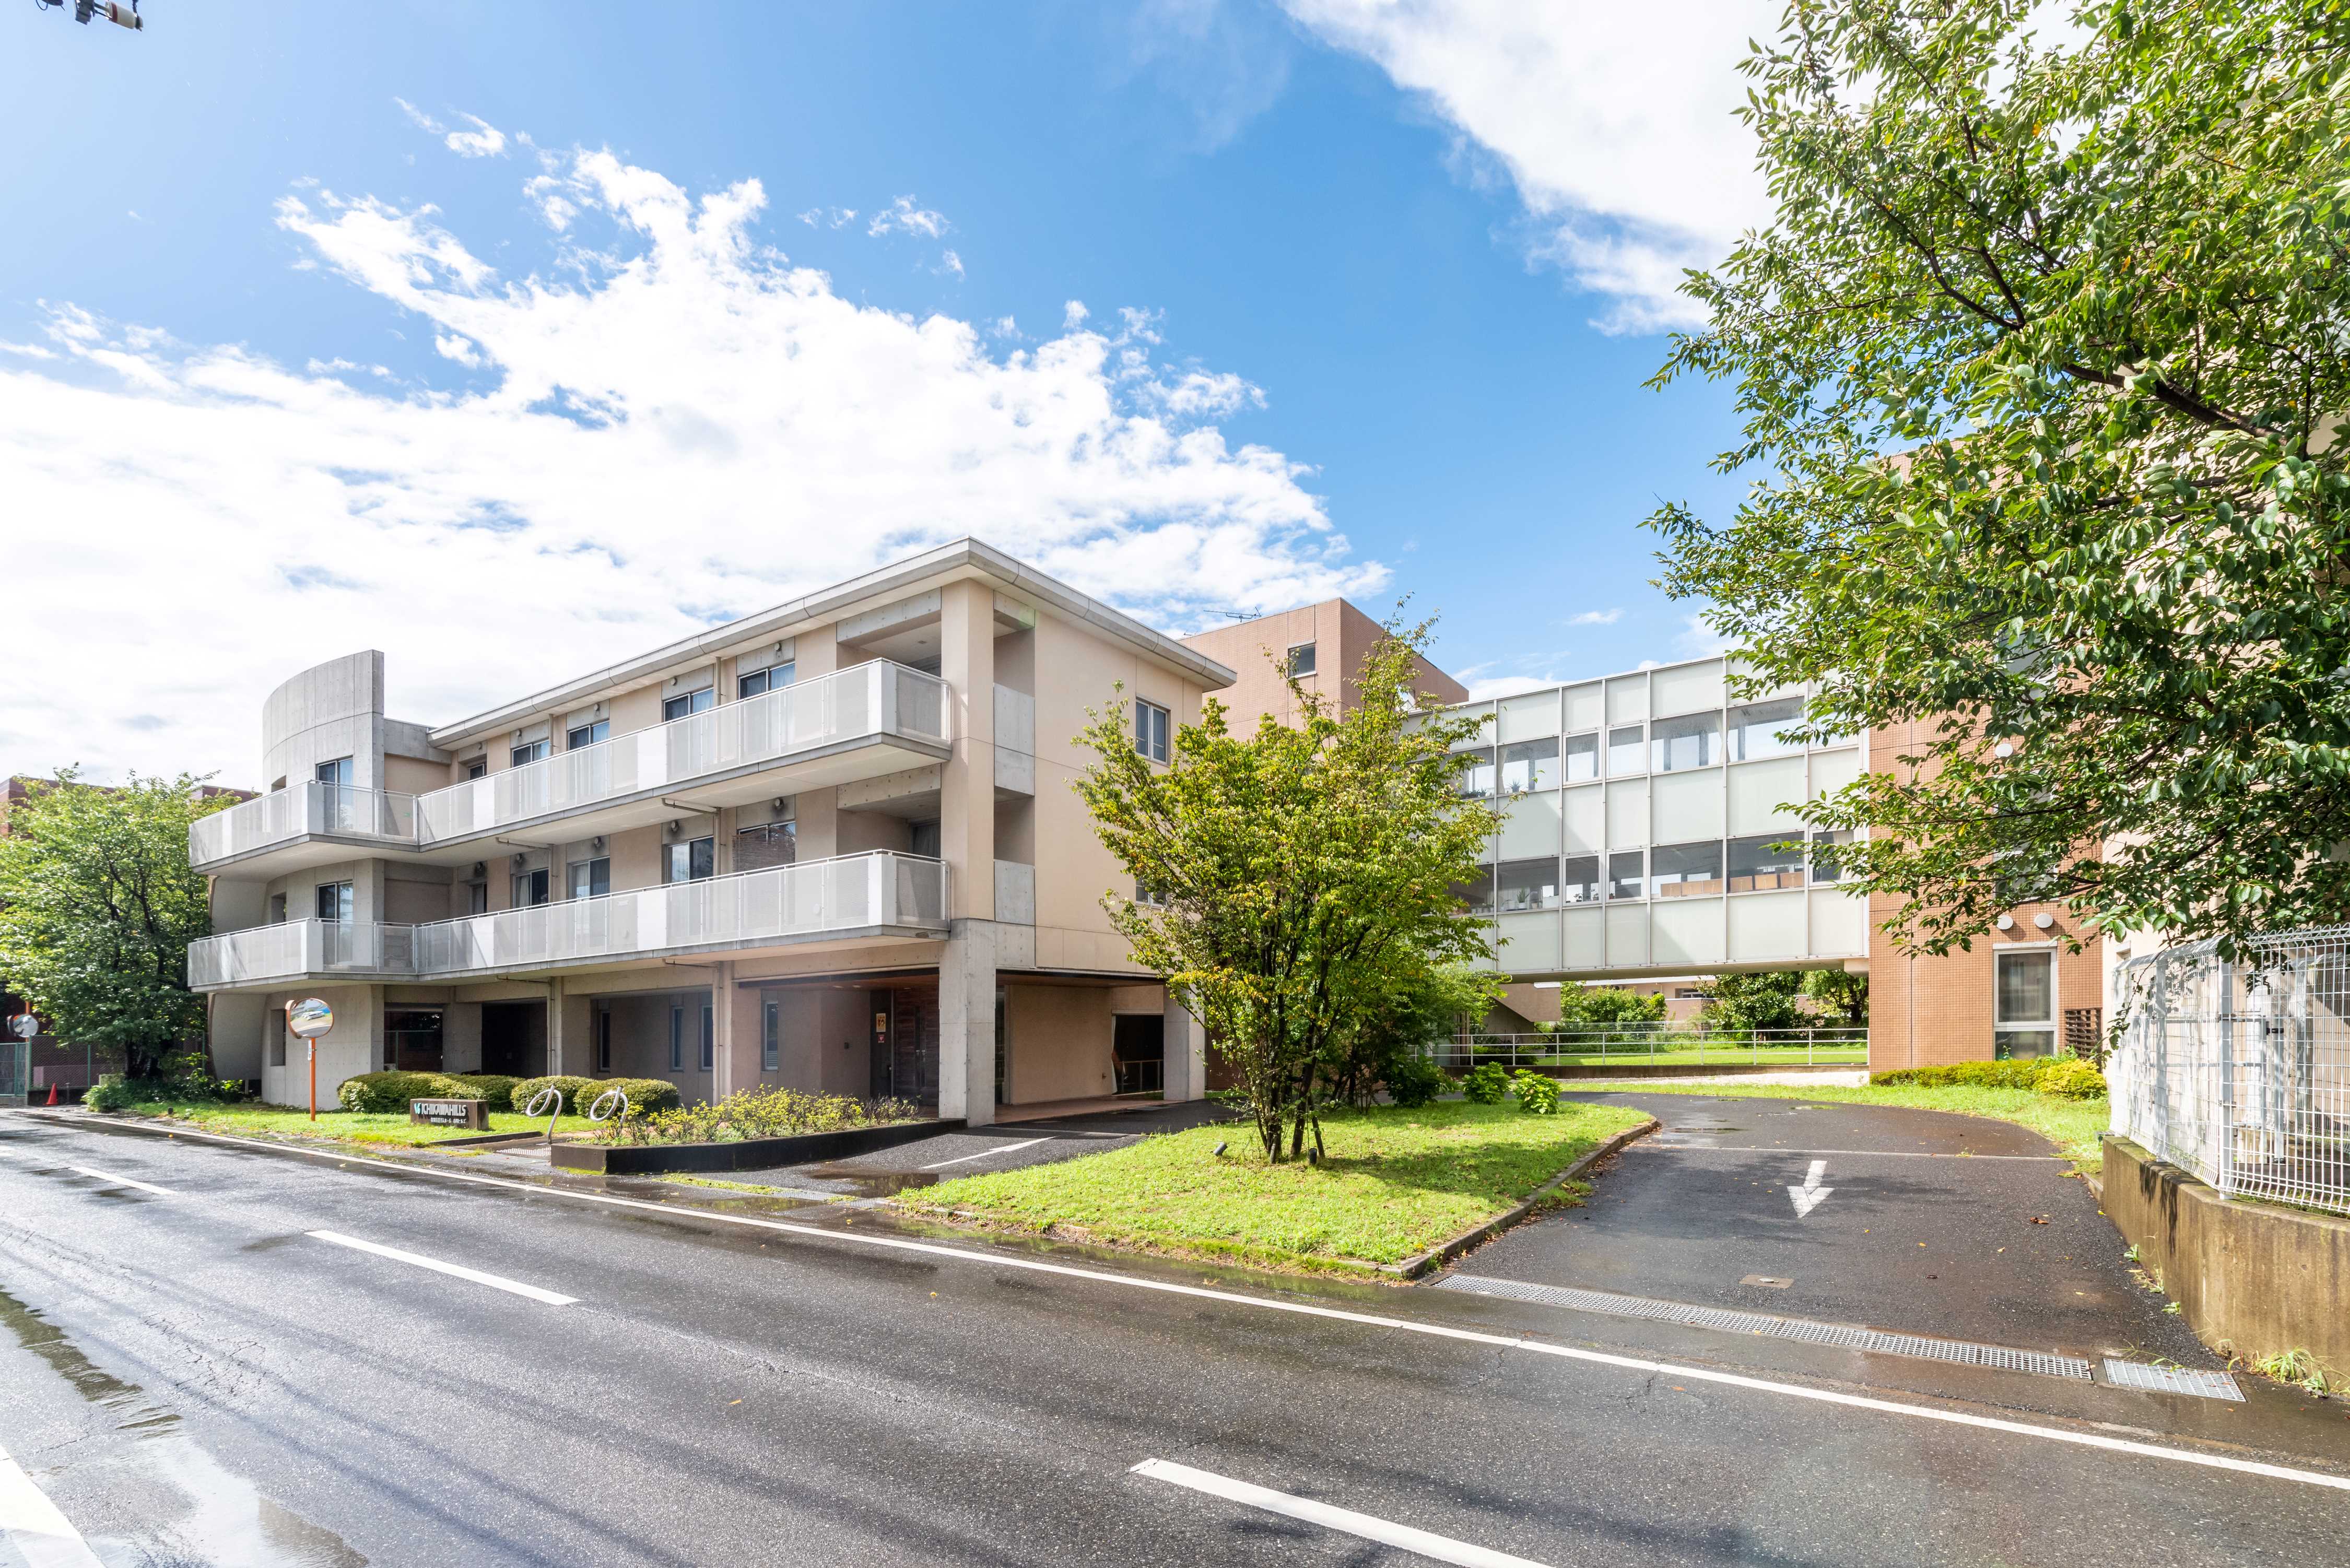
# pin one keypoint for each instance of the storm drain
(2171, 1380)
(1809, 1330)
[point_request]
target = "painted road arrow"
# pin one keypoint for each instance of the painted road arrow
(1811, 1194)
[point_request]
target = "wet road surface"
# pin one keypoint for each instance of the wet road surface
(214, 1354)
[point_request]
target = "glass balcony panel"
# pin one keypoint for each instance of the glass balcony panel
(1760, 864)
(1686, 870)
(1755, 730)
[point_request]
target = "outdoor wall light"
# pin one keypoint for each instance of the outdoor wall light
(2044, 921)
(2007, 922)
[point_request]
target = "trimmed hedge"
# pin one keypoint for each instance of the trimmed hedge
(387, 1092)
(497, 1088)
(645, 1095)
(2067, 1078)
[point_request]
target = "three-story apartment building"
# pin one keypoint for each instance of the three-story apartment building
(831, 846)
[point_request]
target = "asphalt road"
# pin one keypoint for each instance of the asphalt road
(193, 1375)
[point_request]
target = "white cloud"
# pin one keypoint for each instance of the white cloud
(901, 216)
(951, 263)
(670, 425)
(1073, 315)
(1596, 618)
(484, 140)
(1699, 639)
(1612, 123)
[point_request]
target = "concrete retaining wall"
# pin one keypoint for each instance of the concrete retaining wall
(2258, 1276)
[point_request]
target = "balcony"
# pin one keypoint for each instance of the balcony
(879, 894)
(308, 824)
(860, 722)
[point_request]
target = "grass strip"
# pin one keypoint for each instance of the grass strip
(1396, 1182)
(340, 1125)
(2073, 1126)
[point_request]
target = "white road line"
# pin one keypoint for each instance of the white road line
(1811, 1194)
(437, 1266)
(1443, 1548)
(123, 1180)
(31, 1524)
(982, 1154)
(1303, 1309)
(1848, 1153)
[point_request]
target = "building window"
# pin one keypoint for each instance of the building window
(1773, 860)
(1687, 870)
(478, 768)
(1151, 729)
(335, 902)
(1578, 881)
(926, 839)
(529, 751)
(677, 1039)
(1628, 874)
(771, 1036)
(336, 773)
(1825, 868)
(1582, 758)
(690, 860)
(2024, 1016)
(1301, 658)
(1691, 742)
(1476, 894)
(690, 703)
(1624, 752)
(1530, 765)
(1528, 885)
(529, 889)
(581, 735)
(1755, 730)
(1476, 772)
(591, 878)
(1145, 894)
(768, 844)
(709, 1038)
(276, 909)
(759, 682)
(477, 898)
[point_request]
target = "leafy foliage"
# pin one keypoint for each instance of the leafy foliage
(1305, 878)
(2044, 359)
(1488, 1084)
(1387, 1046)
(98, 907)
(1841, 995)
(112, 1092)
(765, 1112)
(1414, 1080)
(1537, 1091)
(1755, 1000)
(2070, 1078)
(1594, 1004)
(645, 1095)
(2065, 1078)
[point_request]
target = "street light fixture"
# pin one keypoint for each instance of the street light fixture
(121, 15)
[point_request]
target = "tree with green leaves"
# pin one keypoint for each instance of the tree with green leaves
(1296, 881)
(1766, 1000)
(1582, 1006)
(2043, 365)
(1841, 995)
(98, 907)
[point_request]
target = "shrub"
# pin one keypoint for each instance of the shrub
(2023, 1074)
(1537, 1091)
(757, 1112)
(1486, 1084)
(646, 1096)
(383, 1093)
(2070, 1078)
(1414, 1080)
(496, 1089)
(112, 1092)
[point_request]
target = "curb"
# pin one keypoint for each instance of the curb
(1443, 1253)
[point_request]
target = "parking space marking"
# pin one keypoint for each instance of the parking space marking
(123, 1180)
(32, 1524)
(496, 1281)
(1386, 1532)
(982, 1154)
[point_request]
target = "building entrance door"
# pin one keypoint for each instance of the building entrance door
(412, 1041)
(513, 1038)
(1138, 1047)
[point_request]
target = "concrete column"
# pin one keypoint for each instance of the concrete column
(967, 780)
(726, 1073)
(1185, 1074)
(555, 1066)
(967, 1023)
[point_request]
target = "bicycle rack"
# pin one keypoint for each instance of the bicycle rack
(549, 1102)
(604, 1110)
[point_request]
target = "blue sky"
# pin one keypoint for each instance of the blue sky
(312, 311)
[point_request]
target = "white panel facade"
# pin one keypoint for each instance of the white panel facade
(1528, 717)
(1585, 708)
(1839, 924)
(1685, 805)
(1529, 943)
(1627, 700)
(1587, 819)
(1586, 941)
(1627, 814)
(1766, 927)
(1686, 930)
(1763, 796)
(1627, 935)
(1531, 827)
(1831, 771)
(1685, 688)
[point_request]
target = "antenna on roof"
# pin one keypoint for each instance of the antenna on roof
(83, 10)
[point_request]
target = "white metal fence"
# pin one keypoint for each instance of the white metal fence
(815, 898)
(1660, 1045)
(2238, 1070)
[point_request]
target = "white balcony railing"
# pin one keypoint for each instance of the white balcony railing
(294, 949)
(306, 808)
(870, 699)
(850, 892)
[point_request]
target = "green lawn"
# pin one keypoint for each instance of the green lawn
(1396, 1182)
(338, 1124)
(2073, 1126)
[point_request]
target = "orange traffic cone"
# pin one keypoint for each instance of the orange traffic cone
(53, 1094)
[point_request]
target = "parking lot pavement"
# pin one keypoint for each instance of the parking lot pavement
(1912, 1222)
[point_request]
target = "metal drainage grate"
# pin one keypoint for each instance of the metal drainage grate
(1808, 1330)
(2171, 1380)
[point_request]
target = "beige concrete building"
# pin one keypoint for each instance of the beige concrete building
(831, 846)
(1324, 644)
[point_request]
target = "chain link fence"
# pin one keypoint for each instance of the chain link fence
(2238, 1069)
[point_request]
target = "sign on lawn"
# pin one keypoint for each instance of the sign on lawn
(475, 1113)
